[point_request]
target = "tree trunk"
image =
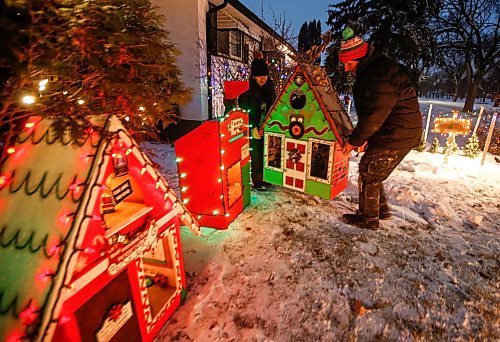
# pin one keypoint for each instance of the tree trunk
(470, 97)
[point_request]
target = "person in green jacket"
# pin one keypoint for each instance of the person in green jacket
(258, 99)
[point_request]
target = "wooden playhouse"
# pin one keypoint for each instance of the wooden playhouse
(90, 247)
(214, 169)
(304, 133)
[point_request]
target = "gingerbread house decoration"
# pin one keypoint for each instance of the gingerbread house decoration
(90, 246)
(214, 169)
(304, 133)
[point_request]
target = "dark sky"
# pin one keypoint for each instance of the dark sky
(297, 11)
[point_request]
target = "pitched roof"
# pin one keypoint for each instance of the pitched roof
(327, 97)
(49, 184)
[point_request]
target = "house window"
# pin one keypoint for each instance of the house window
(235, 43)
(274, 151)
(320, 160)
(230, 43)
(223, 42)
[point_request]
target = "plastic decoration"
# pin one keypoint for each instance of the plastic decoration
(79, 237)
(304, 133)
(453, 125)
(214, 169)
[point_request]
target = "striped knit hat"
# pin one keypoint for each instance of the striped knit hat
(352, 47)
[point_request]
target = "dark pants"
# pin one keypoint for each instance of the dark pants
(257, 154)
(374, 168)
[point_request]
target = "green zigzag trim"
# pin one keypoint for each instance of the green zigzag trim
(40, 187)
(15, 240)
(12, 306)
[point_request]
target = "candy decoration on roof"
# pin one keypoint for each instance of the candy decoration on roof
(304, 133)
(84, 225)
(214, 169)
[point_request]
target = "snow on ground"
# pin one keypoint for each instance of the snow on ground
(288, 269)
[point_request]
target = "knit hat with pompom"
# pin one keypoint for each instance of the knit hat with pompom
(351, 47)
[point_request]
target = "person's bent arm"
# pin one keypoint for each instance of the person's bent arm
(376, 107)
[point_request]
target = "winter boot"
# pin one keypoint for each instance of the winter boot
(361, 221)
(384, 213)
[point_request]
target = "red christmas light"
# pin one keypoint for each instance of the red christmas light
(29, 315)
(11, 150)
(44, 276)
(4, 180)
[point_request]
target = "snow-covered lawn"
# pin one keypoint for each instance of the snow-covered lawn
(289, 270)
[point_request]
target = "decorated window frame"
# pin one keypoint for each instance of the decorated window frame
(281, 136)
(310, 160)
(170, 245)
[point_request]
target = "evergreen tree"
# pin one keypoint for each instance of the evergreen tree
(97, 58)
(402, 29)
(450, 147)
(309, 36)
(421, 147)
(435, 146)
(318, 40)
(471, 148)
(304, 44)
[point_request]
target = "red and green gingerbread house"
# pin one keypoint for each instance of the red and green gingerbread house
(90, 246)
(304, 133)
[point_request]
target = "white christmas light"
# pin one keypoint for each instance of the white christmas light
(43, 83)
(142, 109)
(28, 99)
(80, 102)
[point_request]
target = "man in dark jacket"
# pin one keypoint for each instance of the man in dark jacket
(258, 99)
(389, 121)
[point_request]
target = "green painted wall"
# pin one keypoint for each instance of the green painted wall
(273, 177)
(247, 184)
(313, 115)
(318, 189)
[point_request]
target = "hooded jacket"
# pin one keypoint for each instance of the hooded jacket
(387, 105)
